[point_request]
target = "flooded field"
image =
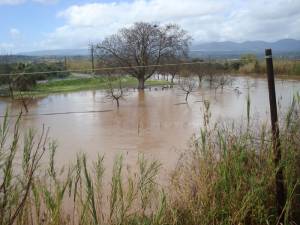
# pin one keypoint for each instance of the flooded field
(155, 122)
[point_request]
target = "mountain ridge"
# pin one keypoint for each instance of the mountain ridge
(283, 45)
(257, 47)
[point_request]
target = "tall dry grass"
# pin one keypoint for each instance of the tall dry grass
(228, 176)
(281, 67)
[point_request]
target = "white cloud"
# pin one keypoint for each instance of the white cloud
(214, 20)
(15, 42)
(92, 22)
(14, 33)
(5, 46)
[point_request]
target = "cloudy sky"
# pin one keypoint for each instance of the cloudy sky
(28, 25)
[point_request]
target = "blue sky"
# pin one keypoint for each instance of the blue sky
(28, 25)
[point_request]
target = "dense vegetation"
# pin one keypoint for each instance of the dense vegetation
(18, 80)
(226, 176)
(250, 64)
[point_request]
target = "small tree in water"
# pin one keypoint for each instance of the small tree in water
(172, 69)
(187, 84)
(141, 46)
(115, 91)
(221, 81)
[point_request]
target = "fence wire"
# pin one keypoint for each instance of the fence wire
(102, 69)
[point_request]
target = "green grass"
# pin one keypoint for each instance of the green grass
(82, 84)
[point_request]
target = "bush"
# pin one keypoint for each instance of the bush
(27, 81)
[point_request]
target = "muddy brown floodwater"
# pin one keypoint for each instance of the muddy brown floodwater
(156, 123)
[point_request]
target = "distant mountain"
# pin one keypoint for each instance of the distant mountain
(285, 45)
(288, 48)
(227, 49)
(58, 52)
(4, 59)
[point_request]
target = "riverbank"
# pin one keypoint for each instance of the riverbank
(82, 84)
(284, 77)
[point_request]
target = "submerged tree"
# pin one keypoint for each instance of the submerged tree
(138, 48)
(173, 69)
(221, 81)
(115, 90)
(187, 85)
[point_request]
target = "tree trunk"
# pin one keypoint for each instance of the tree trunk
(210, 82)
(141, 83)
(186, 96)
(172, 80)
(25, 104)
(200, 80)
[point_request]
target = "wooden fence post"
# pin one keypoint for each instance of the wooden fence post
(92, 52)
(279, 180)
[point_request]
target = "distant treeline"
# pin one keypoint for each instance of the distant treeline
(226, 55)
(26, 82)
(10, 59)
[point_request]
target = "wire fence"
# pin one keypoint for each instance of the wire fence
(103, 69)
(58, 113)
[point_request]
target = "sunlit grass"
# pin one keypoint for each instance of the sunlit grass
(83, 84)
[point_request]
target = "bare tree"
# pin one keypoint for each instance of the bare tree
(221, 81)
(187, 85)
(200, 74)
(215, 74)
(199, 69)
(174, 70)
(141, 46)
(210, 73)
(115, 91)
(171, 70)
(25, 100)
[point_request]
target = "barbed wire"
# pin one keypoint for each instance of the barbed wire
(103, 69)
(58, 113)
(120, 67)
